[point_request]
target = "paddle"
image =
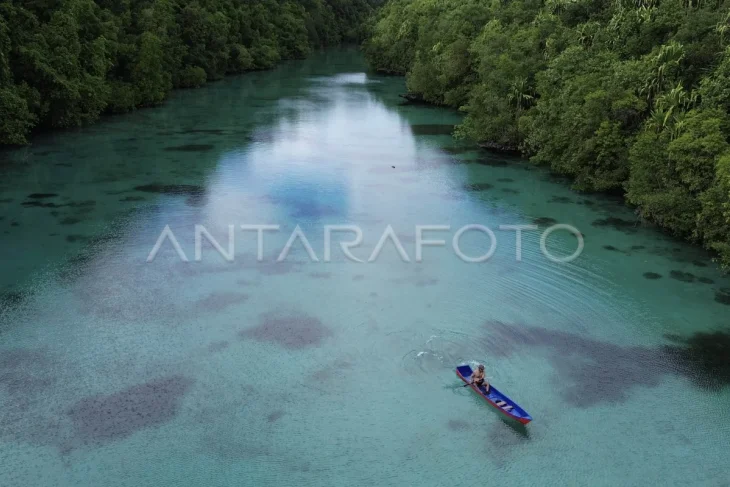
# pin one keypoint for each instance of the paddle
(468, 384)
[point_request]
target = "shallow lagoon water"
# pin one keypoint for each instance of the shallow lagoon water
(116, 371)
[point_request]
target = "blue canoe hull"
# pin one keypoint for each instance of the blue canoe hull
(498, 400)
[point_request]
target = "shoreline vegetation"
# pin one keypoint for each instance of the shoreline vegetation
(628, 97)
(65, 63)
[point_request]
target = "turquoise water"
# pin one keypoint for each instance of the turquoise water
(117, 371)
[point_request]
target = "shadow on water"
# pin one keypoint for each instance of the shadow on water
(503, 441)
(520, 430)
(29, 376)
(591, 371)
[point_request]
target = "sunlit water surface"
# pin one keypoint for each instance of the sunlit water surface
(116, 371)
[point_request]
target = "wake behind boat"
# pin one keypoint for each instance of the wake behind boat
(494, 397)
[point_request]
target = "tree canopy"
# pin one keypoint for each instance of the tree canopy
(628, 96)
(65, 62)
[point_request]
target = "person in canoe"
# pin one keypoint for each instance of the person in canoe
(478, 379)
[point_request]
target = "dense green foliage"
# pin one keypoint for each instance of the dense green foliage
(65, 62)
(626, 96)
